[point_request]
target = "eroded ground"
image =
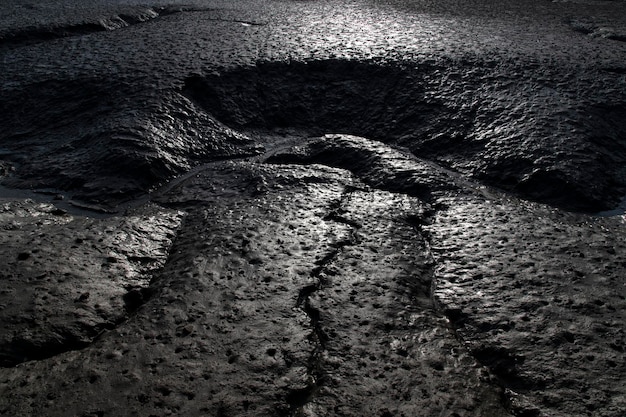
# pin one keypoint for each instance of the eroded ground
(323, 208)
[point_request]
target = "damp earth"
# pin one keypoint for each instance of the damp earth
(313, 208)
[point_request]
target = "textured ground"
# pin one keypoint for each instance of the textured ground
(312, 208)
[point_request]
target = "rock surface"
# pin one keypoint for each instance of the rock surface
(65, 280)
(329, 208)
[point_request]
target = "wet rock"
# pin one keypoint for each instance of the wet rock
(48, 31)
(375, 163)
(135, 140)
(507, 139)
(348, 277)
(344, 325)
(520, 282)
(64, 291)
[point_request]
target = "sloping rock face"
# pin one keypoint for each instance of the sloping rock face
(107, 145)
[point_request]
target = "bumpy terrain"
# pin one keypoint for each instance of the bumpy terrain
(313, 208)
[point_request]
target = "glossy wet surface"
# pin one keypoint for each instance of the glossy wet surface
(312, 208)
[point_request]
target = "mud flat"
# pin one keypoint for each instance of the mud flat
(313, 209)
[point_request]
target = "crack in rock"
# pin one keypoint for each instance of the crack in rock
(375, 303)
(386, 169)
(360, 338)
(297, 399)
(380, 167)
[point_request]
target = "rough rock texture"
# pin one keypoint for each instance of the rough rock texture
(509, 94)
(110, 144)
(287, 208)
(477, 121)
(66, 279)
(538, 296)
(289, 291)
(301, 290)
(376, 164)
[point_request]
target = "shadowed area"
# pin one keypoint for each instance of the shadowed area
(578, 169)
